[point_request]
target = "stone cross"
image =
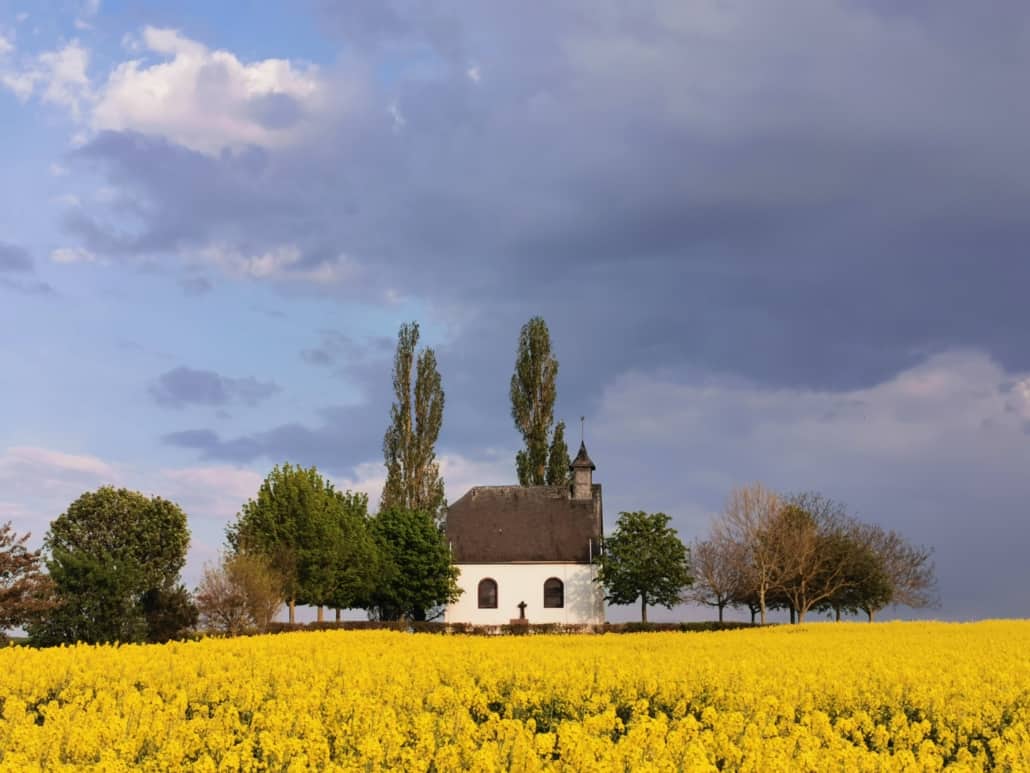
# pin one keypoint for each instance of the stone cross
(522, 610)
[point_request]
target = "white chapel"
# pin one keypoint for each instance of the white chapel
(527, 551)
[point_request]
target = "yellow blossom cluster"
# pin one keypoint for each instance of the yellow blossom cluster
(840, 697)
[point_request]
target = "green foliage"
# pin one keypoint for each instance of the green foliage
(533, 392)
(315, 537)
(558, 471)
(413, 478)
(168, 613)
(644, 560)
(416, 575)
(114, 558)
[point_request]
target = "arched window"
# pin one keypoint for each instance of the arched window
(487, 594)
(554, 593)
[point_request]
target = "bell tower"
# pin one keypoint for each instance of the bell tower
(582, 474)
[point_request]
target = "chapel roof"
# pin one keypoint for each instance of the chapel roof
(506, 524)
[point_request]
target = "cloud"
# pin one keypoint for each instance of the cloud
(6, 46)
(729, 174)
(14, 259)
(184, 386)
(216, 492)
(196, 285)
(17, 271)
(342, 352)
(208, 100)
(72, 255)
(283, 262)
(64, 77)
(61, 74)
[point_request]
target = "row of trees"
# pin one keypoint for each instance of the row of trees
(805, 553)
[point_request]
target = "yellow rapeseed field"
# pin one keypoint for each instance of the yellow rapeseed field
(840, 697)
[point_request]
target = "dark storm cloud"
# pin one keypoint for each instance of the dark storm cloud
(184, 386)
(764, 194)
(346, 437)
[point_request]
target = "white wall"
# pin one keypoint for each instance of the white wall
(584, 600)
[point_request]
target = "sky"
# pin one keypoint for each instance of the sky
(781, 242)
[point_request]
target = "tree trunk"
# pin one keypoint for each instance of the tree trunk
(753, 613)
(869, 612)
(321, 614)
(836, 614)
(293, 611)
(643, 609)
(720, 612)
(801, 616)
(337, 614)
(793, 617)
(761, 604)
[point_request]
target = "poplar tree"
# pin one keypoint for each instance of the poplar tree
(413, 480)
(544, 460)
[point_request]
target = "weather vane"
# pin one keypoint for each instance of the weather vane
(581, 420)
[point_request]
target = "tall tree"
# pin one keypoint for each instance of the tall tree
(811, 539)
(312, 535)
(748, 522)
(115, 557)
(413, 478)
(533, 391)
(644, 559)
(718, 574)
(416, 575)
(26, 591)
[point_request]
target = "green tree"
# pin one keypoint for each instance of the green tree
(545, 459)
(312, 535)
(558, 471)
(413, 478)
(343, 558)
(26, 592)
(416, 575)
(114, 557)
(644, 559)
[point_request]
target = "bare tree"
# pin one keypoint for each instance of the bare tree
(748, 522)
(719, 573)
(909, 571)
(242, 592)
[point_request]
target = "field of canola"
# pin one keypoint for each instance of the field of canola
(841, 697)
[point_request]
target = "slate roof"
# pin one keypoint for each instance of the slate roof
(505, 524)
(582, 459)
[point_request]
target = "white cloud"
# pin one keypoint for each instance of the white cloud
(6, 46)
(206, 99)
(63, 72)
(282, 262)
(474, 73)
(72, 255)
(214, 492)
(19, 459)
(57, 170)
